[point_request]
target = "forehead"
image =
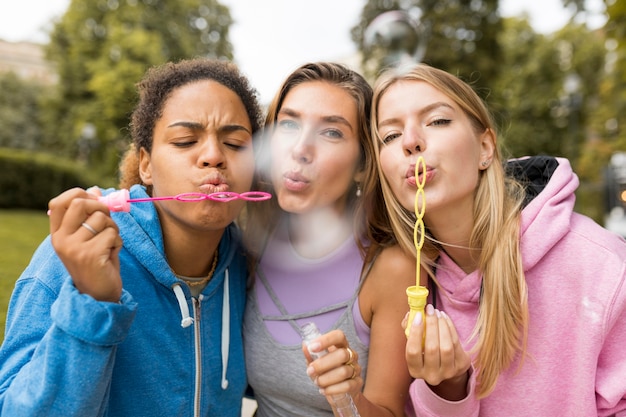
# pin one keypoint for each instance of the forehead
(321, 98)
(413, 91)
(205, 99)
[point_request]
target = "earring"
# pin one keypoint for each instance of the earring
(358, 190)
(484, 164)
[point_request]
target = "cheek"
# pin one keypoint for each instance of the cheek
(388, 164)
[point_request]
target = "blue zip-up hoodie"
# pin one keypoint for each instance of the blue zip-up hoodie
(159, 352)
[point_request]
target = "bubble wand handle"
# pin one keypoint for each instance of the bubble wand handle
(418, 294)
(342, 403)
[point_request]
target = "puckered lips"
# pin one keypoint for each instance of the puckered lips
(295, 181)
(214, 183)
(410, 174)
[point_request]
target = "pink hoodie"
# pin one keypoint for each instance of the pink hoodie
(576, 276)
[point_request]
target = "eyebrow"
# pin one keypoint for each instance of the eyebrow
(423, 111)
(328, 119)
(199, 126)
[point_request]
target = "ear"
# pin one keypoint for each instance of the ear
(145, 166)
(359, 175)
(487, 148)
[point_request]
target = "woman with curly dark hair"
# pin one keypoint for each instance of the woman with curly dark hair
(139, 313)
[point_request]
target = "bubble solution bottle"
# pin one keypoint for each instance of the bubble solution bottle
(342, 403)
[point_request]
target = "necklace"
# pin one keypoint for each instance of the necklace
(193, 283)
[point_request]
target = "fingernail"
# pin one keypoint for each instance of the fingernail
(444, 315)
(417, 320)
(310, 370)
(438, 313)
(314, 346)
(430, 310)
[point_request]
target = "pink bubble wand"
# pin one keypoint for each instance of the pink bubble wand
(120, 200)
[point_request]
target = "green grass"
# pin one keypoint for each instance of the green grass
(21, 231)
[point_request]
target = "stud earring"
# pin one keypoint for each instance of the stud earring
(484, 164)
(358, 190)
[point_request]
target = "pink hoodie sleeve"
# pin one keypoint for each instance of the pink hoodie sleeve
(423, 402)
(611, 371)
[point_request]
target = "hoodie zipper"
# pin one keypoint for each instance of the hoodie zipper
(198, 356)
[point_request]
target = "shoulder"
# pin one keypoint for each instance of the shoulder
(385, 285)
(394, 259)
(46, 267)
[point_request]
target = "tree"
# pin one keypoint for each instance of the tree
(544, 95)
(461, 35)
(20, 105)
(609, 117)
(103, 47)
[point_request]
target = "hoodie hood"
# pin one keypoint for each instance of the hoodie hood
(550, 185)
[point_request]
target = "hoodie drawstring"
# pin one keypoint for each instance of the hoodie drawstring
(182, 304)
(187, 320)
(225, 329)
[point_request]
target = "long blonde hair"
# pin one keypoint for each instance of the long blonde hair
(501, 330)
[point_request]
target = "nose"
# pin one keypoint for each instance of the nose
(303, 150)
(413, 140)
(211, 153)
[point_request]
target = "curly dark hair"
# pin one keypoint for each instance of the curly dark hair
(157, 86)
(159, 82)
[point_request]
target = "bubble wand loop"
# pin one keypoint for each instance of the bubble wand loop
(419, 215)
(418, 294)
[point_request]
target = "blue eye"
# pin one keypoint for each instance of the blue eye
(334, 133)
(287, 125)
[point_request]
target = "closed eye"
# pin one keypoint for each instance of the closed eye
(440, 122)
(390, 137)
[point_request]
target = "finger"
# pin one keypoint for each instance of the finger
(352, 356)
(58, 206)
(415, 347)
(431, 341)
(100, 221)
(81, 210)
(405, 320)
(95, 190)
(461, 357)
(341, 378)
(446, 342)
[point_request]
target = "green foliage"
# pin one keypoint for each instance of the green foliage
(20, 112)
(21, 232)
(461, 36)
(539, 115)
(608, 118)
(102, 49)
(30, 180)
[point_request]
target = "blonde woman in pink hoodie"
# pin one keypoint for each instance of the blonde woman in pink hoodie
(527, 305)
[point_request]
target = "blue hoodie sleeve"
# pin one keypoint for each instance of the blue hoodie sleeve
(59, 349)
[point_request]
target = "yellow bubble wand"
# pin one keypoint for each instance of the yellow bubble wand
(418, 294)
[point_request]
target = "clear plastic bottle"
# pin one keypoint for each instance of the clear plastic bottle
(342, 403)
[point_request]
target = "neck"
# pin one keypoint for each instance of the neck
(191, 255)
(318, 233)
(454, 239)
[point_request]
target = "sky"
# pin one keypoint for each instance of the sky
(271, 38)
